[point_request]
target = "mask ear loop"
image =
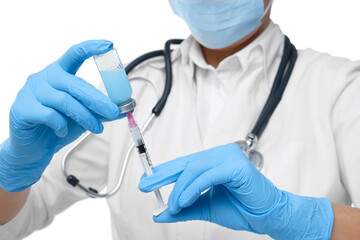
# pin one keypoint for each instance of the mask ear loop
(266, 10)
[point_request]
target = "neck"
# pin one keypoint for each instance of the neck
(215, 56)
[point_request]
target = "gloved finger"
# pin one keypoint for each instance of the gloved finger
(192, 172)
(216, 205)
(85, 93)
(70, 107)
(169, 172)
(77, 54)
(163, 175)
(32, 112)
(200, 210)
(215, 176)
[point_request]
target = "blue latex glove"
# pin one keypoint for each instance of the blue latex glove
(52, 110)
(238, 196)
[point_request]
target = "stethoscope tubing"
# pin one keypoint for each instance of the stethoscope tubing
(287, 64)
(93, 192)
(72, 180)
(286, 67)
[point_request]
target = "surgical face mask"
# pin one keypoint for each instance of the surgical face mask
(217, 24)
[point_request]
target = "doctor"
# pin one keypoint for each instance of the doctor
(223, 74)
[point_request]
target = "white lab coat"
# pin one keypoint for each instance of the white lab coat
(310, 146)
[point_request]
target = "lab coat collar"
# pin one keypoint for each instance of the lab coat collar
(265, 49)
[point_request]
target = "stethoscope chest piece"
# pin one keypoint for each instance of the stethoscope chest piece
(257, 159)
(248, 147)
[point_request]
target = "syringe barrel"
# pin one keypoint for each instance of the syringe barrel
(159, 198)
(136, 135)
(146, 161)
(140, 145)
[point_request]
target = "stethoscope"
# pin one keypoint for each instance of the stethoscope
(248, 145)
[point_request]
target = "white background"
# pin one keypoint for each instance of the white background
(35, 33)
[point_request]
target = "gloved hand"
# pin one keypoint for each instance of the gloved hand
(52, 109)
(237, 196)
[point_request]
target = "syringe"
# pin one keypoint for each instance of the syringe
(145, 159)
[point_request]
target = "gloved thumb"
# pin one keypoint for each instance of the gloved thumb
(77, 54)
(200, 210)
